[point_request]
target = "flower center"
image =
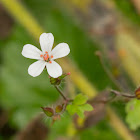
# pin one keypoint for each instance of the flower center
(46, 57)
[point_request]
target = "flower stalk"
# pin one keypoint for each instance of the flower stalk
(61, 93)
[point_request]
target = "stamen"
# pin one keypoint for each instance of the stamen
(47, 55)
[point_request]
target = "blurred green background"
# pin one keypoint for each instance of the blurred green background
(87, 26)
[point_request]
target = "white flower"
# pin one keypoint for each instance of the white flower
(45, 57)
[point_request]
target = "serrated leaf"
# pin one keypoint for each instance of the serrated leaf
(82, 108)
(80, 99)
(133, 114)
(74, 109)
(78, 106)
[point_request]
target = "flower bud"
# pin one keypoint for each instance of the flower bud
(57, 81)
(59, 108)
(137, 93)
(48, 111)
(64, 75)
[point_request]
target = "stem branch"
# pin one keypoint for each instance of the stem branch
(120, 94)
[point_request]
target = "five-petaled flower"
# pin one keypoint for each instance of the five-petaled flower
(45, 57)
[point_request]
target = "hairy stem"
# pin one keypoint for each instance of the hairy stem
(61, 93)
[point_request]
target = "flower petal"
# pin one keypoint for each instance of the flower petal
(36, 68)
(54, 69)
(60, 50)
(31, 51)
(46, 41)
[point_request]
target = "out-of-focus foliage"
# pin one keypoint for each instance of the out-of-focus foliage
(128, 10)
(133, 113)
(93, 133)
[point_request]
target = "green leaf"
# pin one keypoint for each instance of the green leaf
(78, 109)
(133, 114)
(80, 112)
(72, 109)
(79, 106)
(80, 99)
(86, 107)
(82, 108)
